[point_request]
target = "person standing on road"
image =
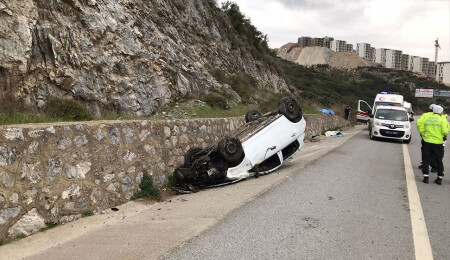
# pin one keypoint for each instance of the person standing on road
(421, 141)
(347, 111)
(433, 128)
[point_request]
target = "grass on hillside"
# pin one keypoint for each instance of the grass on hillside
(332, 87)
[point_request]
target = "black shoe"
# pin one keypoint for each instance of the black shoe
(420, 166)
(434, 169)
(425, 179)
(438, 181)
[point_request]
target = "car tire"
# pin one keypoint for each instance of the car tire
(290, 109)
(407, 141)
(191, 155)
(231, 151)
(252, 115)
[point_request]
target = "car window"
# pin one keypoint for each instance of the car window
(390, 114)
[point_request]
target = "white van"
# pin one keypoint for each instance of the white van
(381, 99)
(408, 107)
(391, 122)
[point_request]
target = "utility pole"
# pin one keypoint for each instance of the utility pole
(436, 44)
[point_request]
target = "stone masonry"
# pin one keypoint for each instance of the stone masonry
(53, 173)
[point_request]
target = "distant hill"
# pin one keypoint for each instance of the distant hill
(325, 87)
(310, 56)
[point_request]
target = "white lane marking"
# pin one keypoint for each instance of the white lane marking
(422, 246)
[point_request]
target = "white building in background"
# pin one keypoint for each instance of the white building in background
(338, 46)
(394, 59)
(443, 72)
(411, 62)
(364, 50)
(380, 56)
(406, 64)
(432, 69)
(420, 64)
(372, 54)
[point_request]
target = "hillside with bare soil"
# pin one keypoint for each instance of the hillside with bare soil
(310, 56)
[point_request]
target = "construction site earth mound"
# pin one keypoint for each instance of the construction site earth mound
(309, 56)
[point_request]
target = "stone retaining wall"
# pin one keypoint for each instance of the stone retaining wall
(53, 173)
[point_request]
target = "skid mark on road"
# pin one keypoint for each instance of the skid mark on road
(422, 244)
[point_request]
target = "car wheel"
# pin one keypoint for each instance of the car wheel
(290, 109)
(252, 115)
(231, 150)
(191, 155)
(407, 141)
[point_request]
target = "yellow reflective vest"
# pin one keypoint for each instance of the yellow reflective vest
(433, 127)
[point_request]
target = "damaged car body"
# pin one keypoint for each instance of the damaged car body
(258, 147)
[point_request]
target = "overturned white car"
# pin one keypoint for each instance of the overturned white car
(259, 147)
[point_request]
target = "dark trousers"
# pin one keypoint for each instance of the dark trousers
(433, 162)
(432, 153)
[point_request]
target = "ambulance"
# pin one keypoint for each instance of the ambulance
(381, 99)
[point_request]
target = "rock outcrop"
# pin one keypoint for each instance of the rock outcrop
(129, 56)
(310, 56)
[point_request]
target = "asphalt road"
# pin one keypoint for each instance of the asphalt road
(352, 203)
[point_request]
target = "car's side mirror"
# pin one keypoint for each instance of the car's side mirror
(371, 115)
(411, 119)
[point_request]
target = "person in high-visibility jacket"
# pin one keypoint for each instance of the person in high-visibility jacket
(433, 128)
(421, 141)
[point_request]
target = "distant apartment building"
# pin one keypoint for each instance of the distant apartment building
(405, 62)
(372, 54)
(420, 64)
(394, 59)
(304, 41)
(338, 46)
(380, 56)
(350, 48)
(316, 42)
(432, 69)
(411, 62)
(327, 41)
(364, 50)
(443, 72)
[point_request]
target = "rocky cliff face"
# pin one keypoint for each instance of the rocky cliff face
(130, 56)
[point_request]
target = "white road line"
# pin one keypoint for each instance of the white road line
(422, 244)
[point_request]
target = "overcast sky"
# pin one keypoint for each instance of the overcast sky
(411, 26)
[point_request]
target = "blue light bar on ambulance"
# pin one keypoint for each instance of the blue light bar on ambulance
(383, 92)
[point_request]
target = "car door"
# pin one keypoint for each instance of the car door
(364, 111)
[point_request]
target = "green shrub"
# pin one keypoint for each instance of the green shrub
(21, 236)
(67, 109)
(148, 189)
(49, 225)
(88, 213)
(219, 75)
(171, 181)
(216, 100)
(243, 84)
